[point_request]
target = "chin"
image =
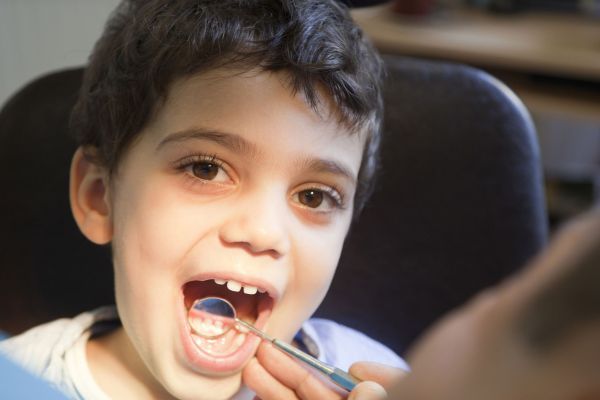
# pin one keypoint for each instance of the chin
(193, 386)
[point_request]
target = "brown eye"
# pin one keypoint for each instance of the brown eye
(205, 170)
(311, 198)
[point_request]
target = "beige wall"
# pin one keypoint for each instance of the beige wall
(37, 36)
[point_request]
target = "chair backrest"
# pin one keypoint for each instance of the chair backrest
(47, 268)
(459, 205)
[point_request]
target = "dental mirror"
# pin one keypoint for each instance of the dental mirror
(213, 317)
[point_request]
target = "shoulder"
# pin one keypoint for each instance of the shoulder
(42, 348)
(342, 346)
(33, 349)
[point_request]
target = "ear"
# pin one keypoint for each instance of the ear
(89, 196)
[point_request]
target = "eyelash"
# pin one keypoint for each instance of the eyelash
(331, 191)
(192, 159)
(183, 165)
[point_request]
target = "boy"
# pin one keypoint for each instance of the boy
(224, 149)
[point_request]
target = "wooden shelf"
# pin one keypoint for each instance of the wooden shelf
(566, 45)
(551, 61)
(515, 48)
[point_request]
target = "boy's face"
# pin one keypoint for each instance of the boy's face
(234, 179)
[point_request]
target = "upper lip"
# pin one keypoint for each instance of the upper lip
(244, 279)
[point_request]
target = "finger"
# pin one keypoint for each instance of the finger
(264, 384)
(368, 391)
(380, 373)
(296, 376)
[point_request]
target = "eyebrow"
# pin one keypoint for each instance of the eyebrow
(231, 141)
(238, 144)
(320, 165)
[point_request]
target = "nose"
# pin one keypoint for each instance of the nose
(258, 225)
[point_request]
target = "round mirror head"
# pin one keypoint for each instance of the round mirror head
(211, 317)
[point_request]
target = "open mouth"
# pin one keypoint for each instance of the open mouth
(253, 303)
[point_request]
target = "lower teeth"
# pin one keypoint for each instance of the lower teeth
(227, 344)
(212, 323)
(207, 327)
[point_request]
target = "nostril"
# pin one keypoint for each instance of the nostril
(259, 246)
(259, 233)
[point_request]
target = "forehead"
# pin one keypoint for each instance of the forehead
(259, 106)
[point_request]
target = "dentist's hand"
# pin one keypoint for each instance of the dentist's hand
(273, 375)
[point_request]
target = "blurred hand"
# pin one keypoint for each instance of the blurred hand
(536, 336)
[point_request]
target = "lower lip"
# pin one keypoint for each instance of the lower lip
(203, 362)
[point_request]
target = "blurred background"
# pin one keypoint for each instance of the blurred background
(547, 51)
(39, 36)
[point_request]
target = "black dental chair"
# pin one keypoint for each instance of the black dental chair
(459, 206)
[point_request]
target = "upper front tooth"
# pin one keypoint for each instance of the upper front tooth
(234, 286)
(250, 289)
(220, 281)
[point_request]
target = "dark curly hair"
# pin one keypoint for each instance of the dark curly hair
(147, 44)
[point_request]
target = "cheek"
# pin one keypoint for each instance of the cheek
(317, 261)
(318, 253)
(145, 245)
(147, 232)
(314, 264)
(154, 231)
(155, 227)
